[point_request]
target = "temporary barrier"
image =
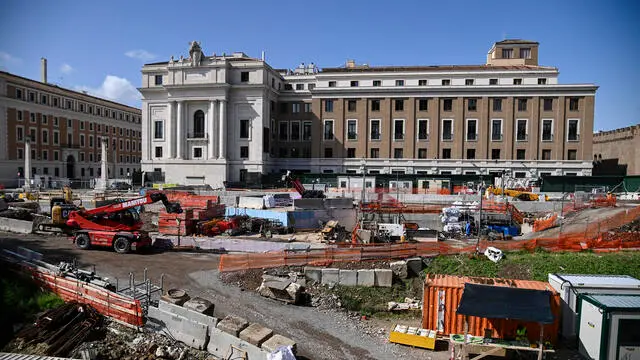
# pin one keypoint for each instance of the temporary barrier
(441, 297)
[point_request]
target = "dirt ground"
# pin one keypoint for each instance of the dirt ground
(576, 222)
(320, 334)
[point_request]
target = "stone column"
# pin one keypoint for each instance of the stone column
(169, 127)
(223, 130)
(211, 132)
(103, 165)
(179, 130)
(27, 163)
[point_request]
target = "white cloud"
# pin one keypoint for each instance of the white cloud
(6, 59)
(66, 68)
(116, 89)
(140, 54)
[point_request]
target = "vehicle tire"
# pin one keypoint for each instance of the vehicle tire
(122, 245)
(82, 241)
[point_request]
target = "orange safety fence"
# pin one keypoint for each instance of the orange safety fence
(544, 224)
(596, 236)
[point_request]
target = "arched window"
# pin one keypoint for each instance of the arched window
(198, 124)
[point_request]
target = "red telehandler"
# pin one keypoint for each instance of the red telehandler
(304, 193)
(115, 225)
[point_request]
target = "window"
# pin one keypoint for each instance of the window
(399, 82)
(44, 120)
(19, 133)
(91, 157)
(307, 107)
(423, 104)
(91, 128)
(572, 154)
(423, 129)
(375, 105)
(45, 136)
(522, 104)
(398, 153)
(295, 107)
(495, 154)
(332, 84)
(520, 154)
(472, 104)
(375, 129)
(573, 132)
(542, 81)
(422, 82)
(547, 104)
(81, 107)
(306, 131)
(284, 107)
(446, 153)
(19, 115)
(81, 125)
(525, 53)
(244, 152)
(517, 81)
(447, 130)
(56, 172)
(33, 156)
(158, 79)
(244, 76)
(328, 152)
(547, 130)
(375, 153)
(496, 130)
(91, 141)
(468, 82)
(288, 87)
(295, 131)
(446, 82)
(70, 139)
(398, 129)
(497, 105)
(158, 130)
(69, 104)
(354, 83)
(328, 130)
(377, 83)
(19, 94)
(399, 105)
(198, 125)
(521, 130)
(507, 53)
(447, 104)
(328, 105)
(471, 154)
(299, 86)
(351, 105)
(32, 135)
(82, 157)
(283, 133)
(546, 154)
(351, 153)
(493, 81)
(352, 129)
(472, 129)
(20, 154)
(158, 151)
(573, 104)
(32, 117)
(56, 155)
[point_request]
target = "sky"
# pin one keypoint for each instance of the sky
(100, 46)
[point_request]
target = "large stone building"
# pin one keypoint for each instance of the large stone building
(207, 119)
(621, 144)
(65, 129)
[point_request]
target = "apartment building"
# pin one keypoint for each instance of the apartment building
(64, 128)
(240, 116)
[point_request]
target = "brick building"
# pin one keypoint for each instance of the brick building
(622, 144)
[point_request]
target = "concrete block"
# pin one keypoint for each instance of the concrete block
(188, 313)
(277, 341)
(175, 296)
(330, 276)
(313, 273)
(256, 334)
(399, 268)
(189, 332)
(384, 277)
(348, 277)
(414, 266)
(233, 325)
(16, 226)
(339, 203)
(200, 305)
(220, 344)
(366, 277)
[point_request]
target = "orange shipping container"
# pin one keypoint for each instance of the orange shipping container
(442, 294)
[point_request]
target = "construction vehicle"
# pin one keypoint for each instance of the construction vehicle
(304, 193)
(519, 194)
(60, 207)
(116, 225)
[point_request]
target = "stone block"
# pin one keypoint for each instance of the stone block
(414, 266)
(187, 331)
(348, 277)
(233, 325)
(220, 344)
(176, 296)
(330, 276)
(313, 273)
(399, 269)
(188, 313)
(277, 341)
(256, 334)
(366, 277)
(384, 277)
(203, 306)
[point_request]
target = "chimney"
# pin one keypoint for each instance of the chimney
(43, 70)
(263, 55)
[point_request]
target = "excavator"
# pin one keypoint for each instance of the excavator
(115, 225)
(522, 195)
(304, 193)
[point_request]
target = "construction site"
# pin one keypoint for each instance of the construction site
(344, 268)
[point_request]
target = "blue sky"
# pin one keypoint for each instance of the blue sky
(100, 46)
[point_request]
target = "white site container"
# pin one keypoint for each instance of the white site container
(571, 285)
(609, 326)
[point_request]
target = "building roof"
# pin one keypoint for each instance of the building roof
(363, 68)
(71, 92)
(450, 281)
(614, 301)
(227, 58)
(580, 280)
(516, 41)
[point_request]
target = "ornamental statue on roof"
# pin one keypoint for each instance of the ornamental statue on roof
(195, 53)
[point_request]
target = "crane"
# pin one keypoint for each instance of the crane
(115, 225)
(304, 193)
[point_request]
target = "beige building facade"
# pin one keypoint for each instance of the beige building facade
(622, 144)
